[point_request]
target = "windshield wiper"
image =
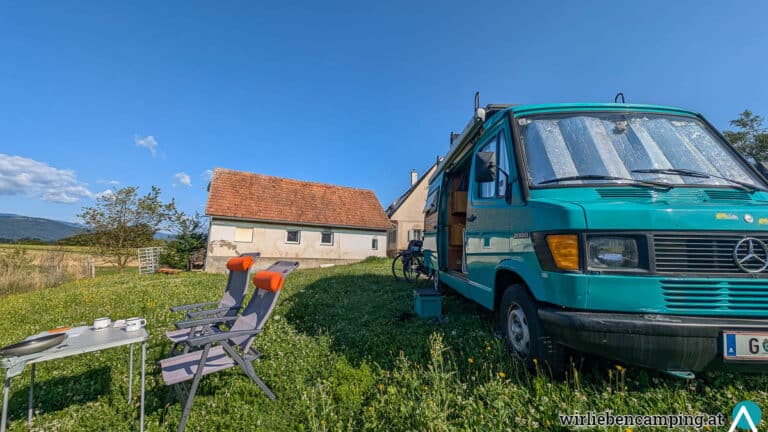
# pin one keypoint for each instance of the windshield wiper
(646, 183)
(697, 174)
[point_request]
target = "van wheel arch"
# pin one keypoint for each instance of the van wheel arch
(514, 299)
(505, 278)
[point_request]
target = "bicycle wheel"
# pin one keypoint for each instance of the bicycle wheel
(428, 273)
(397, 266)
(411, 268)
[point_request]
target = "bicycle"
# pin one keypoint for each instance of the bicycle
(411, 263)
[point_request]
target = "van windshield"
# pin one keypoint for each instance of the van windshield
(600, 148)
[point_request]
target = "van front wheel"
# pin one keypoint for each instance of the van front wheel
(523, 334)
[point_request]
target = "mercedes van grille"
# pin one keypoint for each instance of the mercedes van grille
(704, 296)
(701, 254)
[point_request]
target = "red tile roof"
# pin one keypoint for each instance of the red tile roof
(257, 197)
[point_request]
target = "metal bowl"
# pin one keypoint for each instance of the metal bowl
(32, 346)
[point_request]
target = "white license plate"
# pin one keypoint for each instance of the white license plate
(744, 345)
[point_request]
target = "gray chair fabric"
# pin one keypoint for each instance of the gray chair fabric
(182, 368)
(219, 349)
(228, 306)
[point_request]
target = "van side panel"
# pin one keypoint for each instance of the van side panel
(431, 227)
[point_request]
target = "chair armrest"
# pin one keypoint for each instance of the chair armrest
(218, 337)
(202, 322)
(210, 312)
(192, 306)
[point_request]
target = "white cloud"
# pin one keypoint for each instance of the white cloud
(183, 178)
(148, 142)
(109, 182)
(23, 176)
(207, 175)
(105, 193)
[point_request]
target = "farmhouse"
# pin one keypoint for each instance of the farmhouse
(407, 213)
(313, 223)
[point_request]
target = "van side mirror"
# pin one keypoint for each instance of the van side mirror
(485, 167)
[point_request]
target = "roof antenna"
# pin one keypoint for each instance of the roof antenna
(619, 95)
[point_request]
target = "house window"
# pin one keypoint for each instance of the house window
(326, 238)
(375, 244)
(243, 235)
(293, 236)
(392, 236)
(414, 234)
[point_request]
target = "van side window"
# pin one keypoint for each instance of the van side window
(502, 176)
(487, 189)
(431, 204)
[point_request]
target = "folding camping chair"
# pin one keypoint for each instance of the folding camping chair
(184, 331)
(219, 350)
(230, 303)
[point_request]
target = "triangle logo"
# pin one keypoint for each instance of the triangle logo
(743, 414)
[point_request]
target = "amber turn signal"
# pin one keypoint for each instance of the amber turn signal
(565, 250)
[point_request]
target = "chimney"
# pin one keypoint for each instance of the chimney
(414, 177)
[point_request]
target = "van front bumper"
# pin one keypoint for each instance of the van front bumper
(664, 342)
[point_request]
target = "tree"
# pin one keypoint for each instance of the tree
(750, 138)
(81, 239)
(191, 237)
(123, 221)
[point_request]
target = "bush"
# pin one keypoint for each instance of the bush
(190, 238)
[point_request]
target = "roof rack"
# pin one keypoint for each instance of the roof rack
(471, 132)
(476, 122)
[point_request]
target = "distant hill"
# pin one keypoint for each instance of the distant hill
(15, 227)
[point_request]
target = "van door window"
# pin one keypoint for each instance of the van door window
(502, 174)
(486, 189)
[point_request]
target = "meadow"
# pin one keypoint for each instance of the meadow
(342, 352)
(29, 267)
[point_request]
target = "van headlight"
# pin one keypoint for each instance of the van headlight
(608, 253)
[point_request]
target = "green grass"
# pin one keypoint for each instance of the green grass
(340, 354)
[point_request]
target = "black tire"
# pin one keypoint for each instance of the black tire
(397, 266)
(524, 336)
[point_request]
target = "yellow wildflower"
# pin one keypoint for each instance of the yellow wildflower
(502, 375)
(470, 360)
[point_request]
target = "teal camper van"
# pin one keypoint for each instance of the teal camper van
(632, 232)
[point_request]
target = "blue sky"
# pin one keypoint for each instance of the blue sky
(98, 95)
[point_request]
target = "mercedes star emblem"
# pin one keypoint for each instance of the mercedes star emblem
(751, 255)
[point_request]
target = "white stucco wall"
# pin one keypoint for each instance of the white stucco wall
(349, 245)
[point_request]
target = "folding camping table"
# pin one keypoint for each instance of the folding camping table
(80, 340)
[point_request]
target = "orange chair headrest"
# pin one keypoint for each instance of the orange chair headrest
(242, 263)
(268, 280)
